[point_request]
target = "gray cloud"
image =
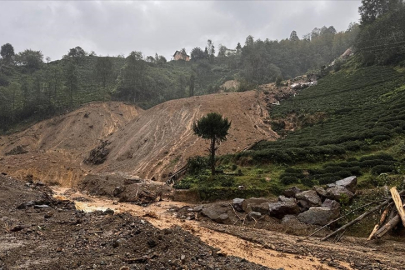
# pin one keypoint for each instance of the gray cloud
(119, 27)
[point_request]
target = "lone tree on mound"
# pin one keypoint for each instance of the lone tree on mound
(215, 128)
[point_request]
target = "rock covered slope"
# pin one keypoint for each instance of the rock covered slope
(53, 150)
(161, 139)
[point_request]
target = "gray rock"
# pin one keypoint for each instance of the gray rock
(310, 196)
(39, 206)
(282, 198)
(321, 191)
(289, 219)
(237, 204)
(254, 215)
(291, 192)
(280, 209)
(338, 192)
(248, 203)
(333, 205)
(331, 185)
(304, 205)
(349, 183)
(262, 208)
(216, 214)
(318, 216)
(198, 208)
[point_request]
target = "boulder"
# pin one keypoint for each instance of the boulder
(216, 214)
(321, 191)
(310, 196)
(248, 203)
(282, 198)
(289, 219)
(338, 192)
(237, 204)
(262, 208)
(349, 183)
(332, 205)
(291, 192)
(254, 215)
(318, 216)
(280, 209)
(304, 205)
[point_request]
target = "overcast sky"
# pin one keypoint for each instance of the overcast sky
(119, 27)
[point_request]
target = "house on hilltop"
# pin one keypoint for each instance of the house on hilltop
(181, 55)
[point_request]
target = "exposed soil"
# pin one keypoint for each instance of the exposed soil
(39, 232)
(149, 144)
(161, 140)
(53, 150)
(274, 249)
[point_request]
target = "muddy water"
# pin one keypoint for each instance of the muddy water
(160, 216)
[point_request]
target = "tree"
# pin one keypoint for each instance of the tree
(294, 36)
(30, 59)
(71, 80)
(214, 128)
(76, 52)
(104, 69)
(191, 85)
(370, 10)
(7, 52)
(197, 54)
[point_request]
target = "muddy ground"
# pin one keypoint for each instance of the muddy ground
(39, 232)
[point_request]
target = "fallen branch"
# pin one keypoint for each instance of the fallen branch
(365, 214)
(377, 226)
(398, 203)
(339, 218)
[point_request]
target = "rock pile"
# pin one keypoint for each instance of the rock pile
(317, 206)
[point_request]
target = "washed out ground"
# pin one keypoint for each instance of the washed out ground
(54, 234)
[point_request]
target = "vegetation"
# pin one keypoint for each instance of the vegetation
(214, 128)
(31, 89)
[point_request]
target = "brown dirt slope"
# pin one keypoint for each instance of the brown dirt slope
(56, 147)
(161, 139)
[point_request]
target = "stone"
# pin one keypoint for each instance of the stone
(215, 214)
(237, 204)
(109, 212)
(282, 198)
(303, 204)
(41, 206)
(280, 209)
(338, 192)
(310, 196)
(118, 190)
(289, 219)
(262, 208)
(248, 203)
(198, 208)
(321, 191)
(318, 216)
(350, 183)
(333, 205)
(291, 192)
(254, 215)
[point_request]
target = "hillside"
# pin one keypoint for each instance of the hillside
(161, 140)
(53, 150)
(149, 144)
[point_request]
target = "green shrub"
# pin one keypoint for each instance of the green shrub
(377, 170)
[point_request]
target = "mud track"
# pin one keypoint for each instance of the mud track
(268, 248)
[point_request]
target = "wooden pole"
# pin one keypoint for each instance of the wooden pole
(398, 203)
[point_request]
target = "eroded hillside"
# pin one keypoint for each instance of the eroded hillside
(53, 150)
(161, 140)
(148, 144)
